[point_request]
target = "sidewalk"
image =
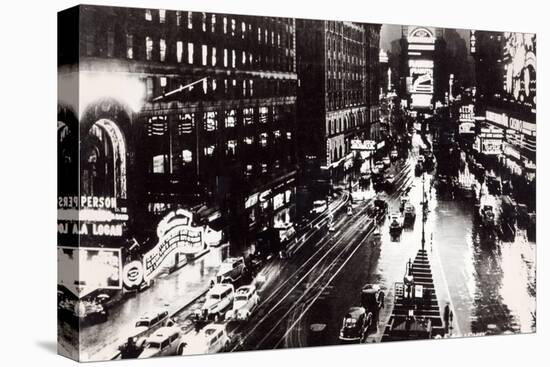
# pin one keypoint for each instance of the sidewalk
(170, 292)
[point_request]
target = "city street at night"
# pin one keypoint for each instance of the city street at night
(282, 183)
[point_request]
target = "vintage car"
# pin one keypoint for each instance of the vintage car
(244, 303)
(231, 270)
(166, 341)
(211, 339)
(148, 323)
(355, 325)
(218, 299)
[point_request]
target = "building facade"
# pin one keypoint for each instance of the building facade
(505, 97)
(333, 94)
(193, 111)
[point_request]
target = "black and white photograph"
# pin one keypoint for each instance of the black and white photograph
(232, 182)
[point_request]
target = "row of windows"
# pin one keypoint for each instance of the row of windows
(214, 120)
(213, 88)
(341, 125)
(183, 158)
(191, 53)
(275, 36)
(339, 100)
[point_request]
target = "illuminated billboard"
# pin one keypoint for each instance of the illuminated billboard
(83, 270)
(520, 67)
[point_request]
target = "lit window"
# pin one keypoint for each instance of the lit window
(224, 25)
(158, 163)
(214, 56)
(233, 59)
(163, 81)
(213, 21)
(129, 46)
(204, 22)
(205, 86)
(225, 57)
(244, 87)
(231, 147)
(178, 18)
(162, 45)
(190, 20)
(249, 140)
(277, 134)
(214, 84)
(259, 35)
(230, 118)
(263, 114)
(278, 40)
(162, 16)
(179, 51)
(233, 26)
(186, 156)
(148, 48)
(211, 123)
(204, 55)
(266, 35)
(272, 37)
(248, 115)
(243, 29)
(251, 87)
(264, 167)
(148, 15)
(244, 58)
(263, 140)
(289, 135)
(190, 49)
(209, 150)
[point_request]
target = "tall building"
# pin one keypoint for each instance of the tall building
(189, 110)
(333, 94)
(372, 48)
(420, 53)
(506, 97)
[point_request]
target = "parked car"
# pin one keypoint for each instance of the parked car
(166, 341)
(355, 325)
(244, 303)
(218, 299)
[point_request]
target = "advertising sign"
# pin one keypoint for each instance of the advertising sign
(491, 146)
(91, 216)
(520, 68)
(422, 80)
(368, 145)
(176, 235)
(132, 274)
(82, 270)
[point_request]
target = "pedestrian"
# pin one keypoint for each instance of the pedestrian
(446, 317)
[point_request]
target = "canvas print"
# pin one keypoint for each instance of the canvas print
(235, 183)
